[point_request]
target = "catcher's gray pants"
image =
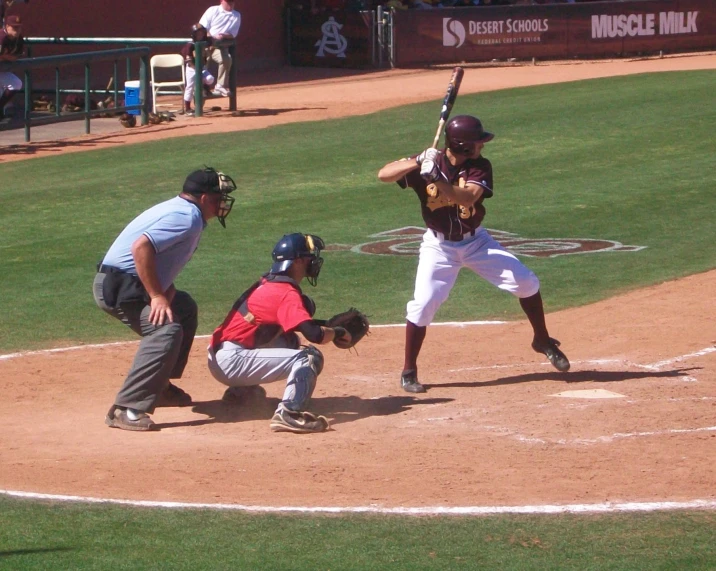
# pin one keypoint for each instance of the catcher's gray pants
(235, 366)
(163, 351)
(221, 56)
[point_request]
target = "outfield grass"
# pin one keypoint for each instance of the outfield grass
(627, 159)
(47, 536)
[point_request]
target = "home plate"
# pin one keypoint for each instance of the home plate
(589, 394)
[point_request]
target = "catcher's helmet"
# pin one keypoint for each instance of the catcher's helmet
(463, 131)
(294, 246)
(209, 180)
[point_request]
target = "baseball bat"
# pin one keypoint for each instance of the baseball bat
(449, 101)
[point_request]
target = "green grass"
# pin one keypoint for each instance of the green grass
(627, 159)
(37, 535)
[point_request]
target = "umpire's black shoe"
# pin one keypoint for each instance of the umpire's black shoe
(409, 382)
(552, 352)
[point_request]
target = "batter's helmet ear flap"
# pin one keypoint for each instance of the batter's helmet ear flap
(463, 131)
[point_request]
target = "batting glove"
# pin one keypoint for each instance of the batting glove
(429, 170)
(428, 154)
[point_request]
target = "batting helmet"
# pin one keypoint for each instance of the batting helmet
(463, 131)
(198, 33)
(294, 246)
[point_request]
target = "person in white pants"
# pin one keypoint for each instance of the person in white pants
(452, 185)
(257, 342)
(12, 46)
(198, 34)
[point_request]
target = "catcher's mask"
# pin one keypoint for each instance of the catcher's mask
(294, 246)
(209, 180)
(463, 131)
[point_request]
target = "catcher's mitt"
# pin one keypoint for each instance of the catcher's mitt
(127, 120)
(353, 321)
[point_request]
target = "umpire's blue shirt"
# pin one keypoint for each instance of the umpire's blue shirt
(173, 227)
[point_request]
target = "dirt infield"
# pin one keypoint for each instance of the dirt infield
(494, 428)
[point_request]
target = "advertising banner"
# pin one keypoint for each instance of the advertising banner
(455, 35)
(335, 39)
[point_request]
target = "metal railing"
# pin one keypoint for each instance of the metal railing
(230, 45)
(86, 58)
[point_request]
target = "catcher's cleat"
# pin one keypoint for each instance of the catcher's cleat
(553, 353)
(409, 382)
(117, 418)
(239, 395)
(173, 396)
(285, 420)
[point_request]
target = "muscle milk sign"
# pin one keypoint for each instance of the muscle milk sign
(621, 25)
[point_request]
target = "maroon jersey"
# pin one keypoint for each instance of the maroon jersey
(443, 215)
(189, 53)
(11, 46)
(274, 307)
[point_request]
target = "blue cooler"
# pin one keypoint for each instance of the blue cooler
(131, 96)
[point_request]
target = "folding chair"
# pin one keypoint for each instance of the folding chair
(166, 61)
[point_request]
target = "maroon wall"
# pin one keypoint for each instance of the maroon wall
(424, 37)
(260, 44)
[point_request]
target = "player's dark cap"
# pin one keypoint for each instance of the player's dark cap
(201, 181)
(14, 21)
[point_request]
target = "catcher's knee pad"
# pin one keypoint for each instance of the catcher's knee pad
(315, 358)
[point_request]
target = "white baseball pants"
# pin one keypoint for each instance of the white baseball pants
(440, 262)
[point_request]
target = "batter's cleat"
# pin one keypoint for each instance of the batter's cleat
(552, 352)
(240, 395)
(173, 396)
(117, 418)
(409, 382)
(304, 422)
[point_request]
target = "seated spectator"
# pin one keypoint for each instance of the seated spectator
(12, 46)
(397, 4)
(198, 34)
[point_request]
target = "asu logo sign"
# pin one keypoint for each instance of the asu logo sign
(453, 33)
(406, 242)
(332, 41)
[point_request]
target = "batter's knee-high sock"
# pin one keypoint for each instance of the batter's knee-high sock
(533, 308)
(414, 337)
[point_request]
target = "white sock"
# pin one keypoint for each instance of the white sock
(133, 414)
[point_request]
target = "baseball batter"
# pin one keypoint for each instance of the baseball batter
(452, 186)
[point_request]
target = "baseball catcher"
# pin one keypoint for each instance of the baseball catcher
(258, 341)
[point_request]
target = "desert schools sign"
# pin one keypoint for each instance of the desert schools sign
(406, 242)
(610, 26)
(449, 35)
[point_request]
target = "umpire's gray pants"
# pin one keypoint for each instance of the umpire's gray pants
(163, 350)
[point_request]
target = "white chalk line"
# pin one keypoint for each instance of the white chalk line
(606, 507)
(609, 438)
(8, 356)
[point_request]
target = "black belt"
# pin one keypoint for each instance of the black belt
(107, 269)
(453, 237)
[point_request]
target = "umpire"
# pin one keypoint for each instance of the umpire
(135, 284)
